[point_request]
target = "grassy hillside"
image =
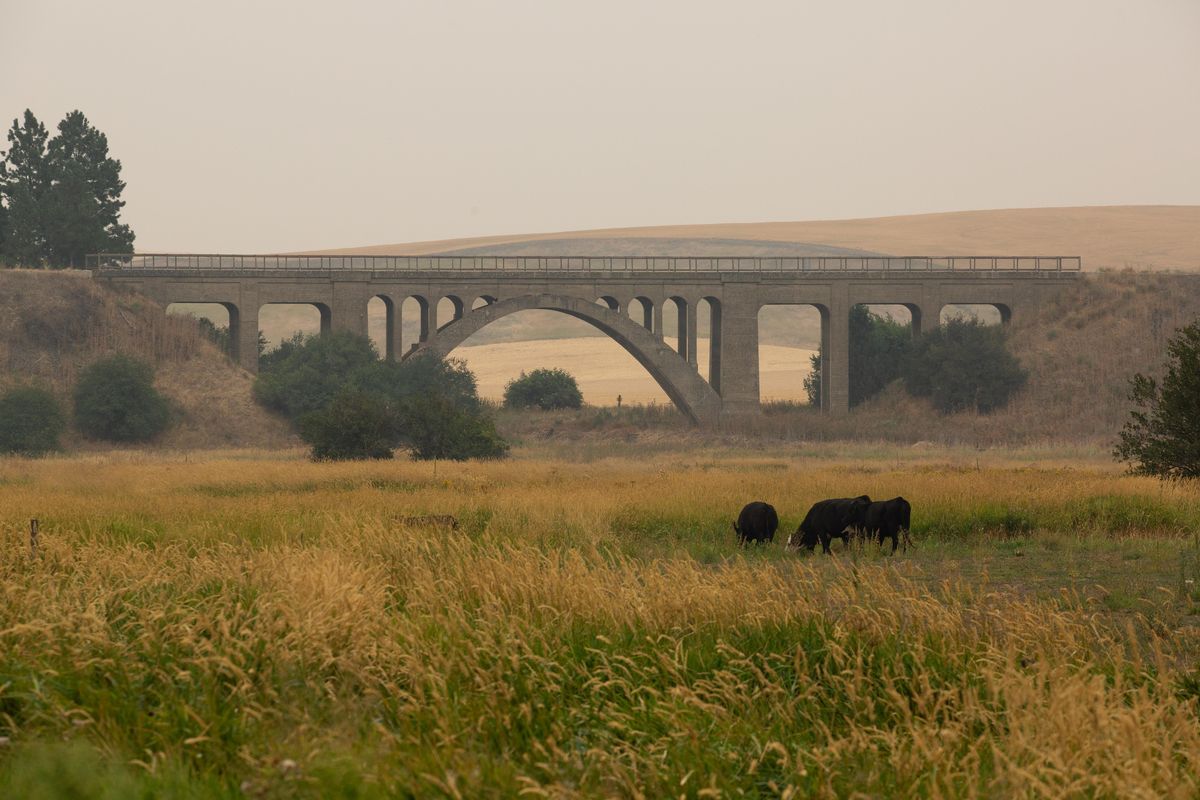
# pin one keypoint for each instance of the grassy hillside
(1138, 237)
(56, 323)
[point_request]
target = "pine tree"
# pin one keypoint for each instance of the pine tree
(84, 203)
(24, 184)
(1162, 436)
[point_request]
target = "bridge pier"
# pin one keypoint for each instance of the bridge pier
(395, 327)
(736, 370)
(348, 311)
(835, 354)
(243, 333)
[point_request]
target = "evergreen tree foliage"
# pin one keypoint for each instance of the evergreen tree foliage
(878, 347)
(24, 191)
(545, 389)
(963, 365)
(85, 195)
(31, 421)
(115, 400)
(62, 195)
(1162, 436)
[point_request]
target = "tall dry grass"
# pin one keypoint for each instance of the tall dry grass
(266, 626)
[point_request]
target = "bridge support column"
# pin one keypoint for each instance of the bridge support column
(348, 312)
(925, 316)
(835, 353)
(737, 343)
(243, 334)
(689, 314)
(657, 321)
(395, 319)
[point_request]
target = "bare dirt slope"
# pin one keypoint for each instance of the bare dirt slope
(53, 324)
(1138, 237)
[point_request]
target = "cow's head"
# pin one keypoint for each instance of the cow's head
(858, 509)
(802, 538)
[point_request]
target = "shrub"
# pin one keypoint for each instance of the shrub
(963, 365)
(355, 425)
(1162, 436)
(347, 403)
(310, 372)
(545, 389)
(31, 421)
(115, 400)
(878, 348)
(433, 426)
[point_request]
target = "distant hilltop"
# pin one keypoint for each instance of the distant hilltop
(1107, 237)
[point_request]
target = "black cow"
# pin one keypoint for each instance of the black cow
(828, 520)
(756, 523)
(886, 519)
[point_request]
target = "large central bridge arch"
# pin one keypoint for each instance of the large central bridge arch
(678, 379)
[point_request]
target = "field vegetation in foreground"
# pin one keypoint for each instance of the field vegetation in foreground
(259, 625)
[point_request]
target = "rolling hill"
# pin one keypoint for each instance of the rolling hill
(1107, 237)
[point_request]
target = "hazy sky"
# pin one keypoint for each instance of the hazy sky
(253, 126)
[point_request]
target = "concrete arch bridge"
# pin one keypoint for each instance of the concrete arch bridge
(601, 292)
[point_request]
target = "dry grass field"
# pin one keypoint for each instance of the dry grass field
(1112, 237)
(604, 369)
(253, 624)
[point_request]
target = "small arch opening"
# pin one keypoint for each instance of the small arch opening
(984, 313)
(216, 321)
(708, 340)
(609, 302)
(482, 300)
(381, 325)
(283, 322)
(641, 311)
(789, 337)
(449, 308)
(414, 322)
(675, 328)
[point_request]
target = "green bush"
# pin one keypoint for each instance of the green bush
(31, 421)
(434, 426)
(878, 348)
(309, 372)
(115, 400)
(1161, 437)
(963, 365)
(355, 425)
(545, 389)
(349, 404)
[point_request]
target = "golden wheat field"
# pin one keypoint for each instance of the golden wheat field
(254, 624)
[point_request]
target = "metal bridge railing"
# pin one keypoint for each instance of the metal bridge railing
(202, 262)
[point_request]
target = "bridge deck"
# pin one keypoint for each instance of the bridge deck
(191, 263)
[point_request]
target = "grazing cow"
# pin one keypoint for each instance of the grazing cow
(828, 520)
(886, 519)
(756, 523)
